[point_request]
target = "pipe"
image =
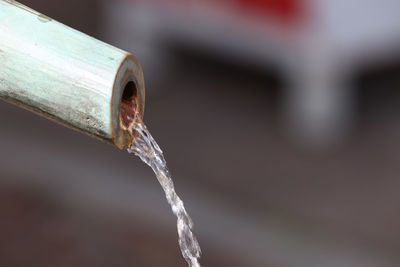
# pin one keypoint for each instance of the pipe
(67, 76)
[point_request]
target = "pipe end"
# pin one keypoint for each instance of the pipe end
(127, 101)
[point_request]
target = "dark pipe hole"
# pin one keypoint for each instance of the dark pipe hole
(128, 104)
(129, 91)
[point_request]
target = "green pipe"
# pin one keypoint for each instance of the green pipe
(67, 76)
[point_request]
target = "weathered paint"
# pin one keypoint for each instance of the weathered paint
(65, 75)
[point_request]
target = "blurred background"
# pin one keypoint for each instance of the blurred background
(280, 124)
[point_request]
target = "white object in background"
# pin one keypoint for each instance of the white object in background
(318, 55)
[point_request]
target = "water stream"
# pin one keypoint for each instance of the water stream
(150, 153)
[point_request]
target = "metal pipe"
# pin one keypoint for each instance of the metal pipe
(67, 76)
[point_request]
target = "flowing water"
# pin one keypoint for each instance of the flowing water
(147, 149)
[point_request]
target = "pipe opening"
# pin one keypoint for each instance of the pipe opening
(128, 104)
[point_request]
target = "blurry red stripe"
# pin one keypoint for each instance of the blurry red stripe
(285, 9)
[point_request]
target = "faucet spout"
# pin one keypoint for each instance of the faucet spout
(68, 76)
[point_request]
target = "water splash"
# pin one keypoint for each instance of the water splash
(150, 153)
